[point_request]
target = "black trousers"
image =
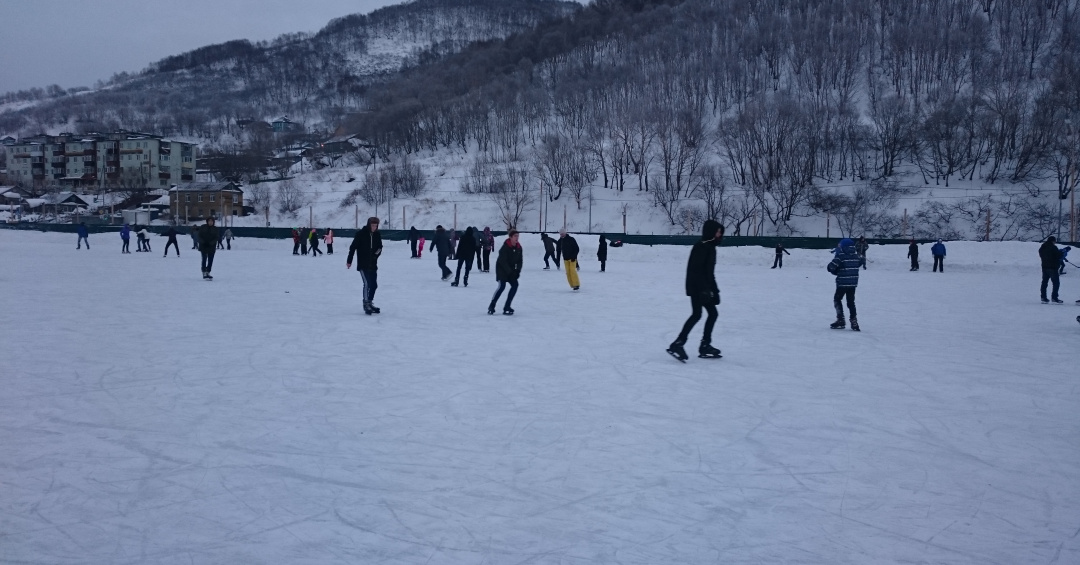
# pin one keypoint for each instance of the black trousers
(446, 272)
(468, 262)
(371, 283)
(208, 260)
(509, 297)
(126, 248)
(173, 243)
(779, 261)
(412, 245)
(939, 262)
(1050, 275)
(81, 240)
(479, 257)
(303, 246)
(329, 248)
(228, 243)
(296, 247)
(914, 262)
(603, 265)
(696, 304)
(552, 255)
(315, 249)
(848, 293)
(486, 264)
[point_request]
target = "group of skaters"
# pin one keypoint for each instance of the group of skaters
(308, 238)
(207, 239)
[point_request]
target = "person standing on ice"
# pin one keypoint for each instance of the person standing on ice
(507, 272)
(778, 261)
(938, 251)
(487, 243)
(846, 268)
(171, 241)
(195, 238)
(569, 249)
(414, 238)
(441, 244)
(84, 235)
(703, 292)
(601, 253)
(453, 243)
(295, 241)
(303, 240)
(1064, 259)
(228, 239)
(125, 236)
(208, 239)
(913, 254)
(477, 239)
(367, 246)
(549, 251)
(465, 252)
(313, 237)
(1050, 256)
(329, 239)
(861, 247)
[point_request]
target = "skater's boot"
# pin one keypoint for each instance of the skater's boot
(374, 309)
(854, 325)
(491, 309)
(707, 351)
(676, 349)
(508, 311)
(838, 324)
(367, 308)
(204, 274)
(455, 283)
(466, 279)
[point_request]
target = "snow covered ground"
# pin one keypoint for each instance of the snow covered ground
(150, 417)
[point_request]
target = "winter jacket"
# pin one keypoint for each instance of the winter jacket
(508, 265)
(208, 238)
(549, 244)
(938, 250)
(700, 278)
(367, 246)
(846, 265)
(228, 234)
(171, 234)
(82, 231)
(143, 234)
(125, 232)
(329, 237)
(441, 242)
(467, 245)
(1050, 255)
(487, 241)
(414, 235)
(601, 251)
(913, 251)
(567, 248)
(313, 237)
(861, 247)
(295, 236)
(780, 249)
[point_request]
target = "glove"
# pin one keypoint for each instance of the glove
(348, 265)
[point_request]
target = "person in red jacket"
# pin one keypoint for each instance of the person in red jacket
(295, 241)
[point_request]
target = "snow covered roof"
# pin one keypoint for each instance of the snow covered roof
(206, 187)
(163, 201)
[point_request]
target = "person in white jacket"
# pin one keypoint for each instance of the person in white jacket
(144, 239)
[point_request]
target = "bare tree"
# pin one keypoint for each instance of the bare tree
(289, 197)
(511, 194)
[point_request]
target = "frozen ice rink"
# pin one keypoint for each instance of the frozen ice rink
(147, 416)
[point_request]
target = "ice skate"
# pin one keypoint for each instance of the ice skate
(455, 283)
(838, 324)
(508, 311)
(374, 309)
(367, 308)
(855, 325)
(491, 309)
(707, 351)
(676, 350)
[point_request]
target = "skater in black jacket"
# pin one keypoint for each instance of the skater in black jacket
(779, 260)
(367, 246)
(549, 251)
(466, 252)
(441, 243)
(1051, 258)
(601, 253)
(414, 237)
(913, 254)
(507, 272)
(567, 247)
(172, 241)
(208, 238)
(703, 292)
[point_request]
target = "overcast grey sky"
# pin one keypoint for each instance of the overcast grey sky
(76, 42)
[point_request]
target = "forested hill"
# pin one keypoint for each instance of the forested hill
(313, 78)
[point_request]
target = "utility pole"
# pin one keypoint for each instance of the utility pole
(402, 217)
(455, 215)
(903, 228)
(540, 218)
(828, 222)
(356, 217)
(564, 216)
(987, 225)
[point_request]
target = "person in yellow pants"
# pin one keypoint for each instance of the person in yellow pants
(568, 249)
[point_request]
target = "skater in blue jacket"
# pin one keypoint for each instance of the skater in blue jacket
(846, 266)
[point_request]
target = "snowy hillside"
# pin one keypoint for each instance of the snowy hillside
(150, 417)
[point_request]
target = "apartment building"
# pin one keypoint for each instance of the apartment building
(198, 201)
(121, 159)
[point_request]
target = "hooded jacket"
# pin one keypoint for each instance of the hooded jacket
(508, 265)
(846, 264)
(567, 248)
(601, 251)
(1050, 255)
(83, 231)
(549, 244)
(208, 238)
(367, 246)
(487, 241)
(938, 250)
(125, 232)
(467, 244)
(700, 278)
(913, 250)
(440, 241)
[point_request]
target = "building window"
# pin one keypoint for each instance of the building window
(212, 196)
(187, 198)
(200, 197)
(235, 199)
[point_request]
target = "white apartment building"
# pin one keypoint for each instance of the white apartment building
(117, 160)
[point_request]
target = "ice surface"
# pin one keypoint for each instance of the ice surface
(147, 416)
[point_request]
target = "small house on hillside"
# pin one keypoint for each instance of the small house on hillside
(201, 200)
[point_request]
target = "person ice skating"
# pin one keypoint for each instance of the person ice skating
(549, 251)
(601, 253)
(145, 239)
(441, 244)
(414, 238)
(228, 239)
(194, 238)
(295, 241)
(221, 240)
(507, 272)
(420, 248)
(367, 246)
(861, 247)
(938, 251)
(125, 236)
(208, 240)
(466, 251)
(913, 254)
(703, 292)
(568, 248)
(84, 236)
(1064, 259)
(453, 243)
(140, 236)
(1050, 256)
(313, 238)
(479, 247)
(487, 242)
(303, 240)
(171, 233)
(845, 265)
(778, 261)
(329, 240)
